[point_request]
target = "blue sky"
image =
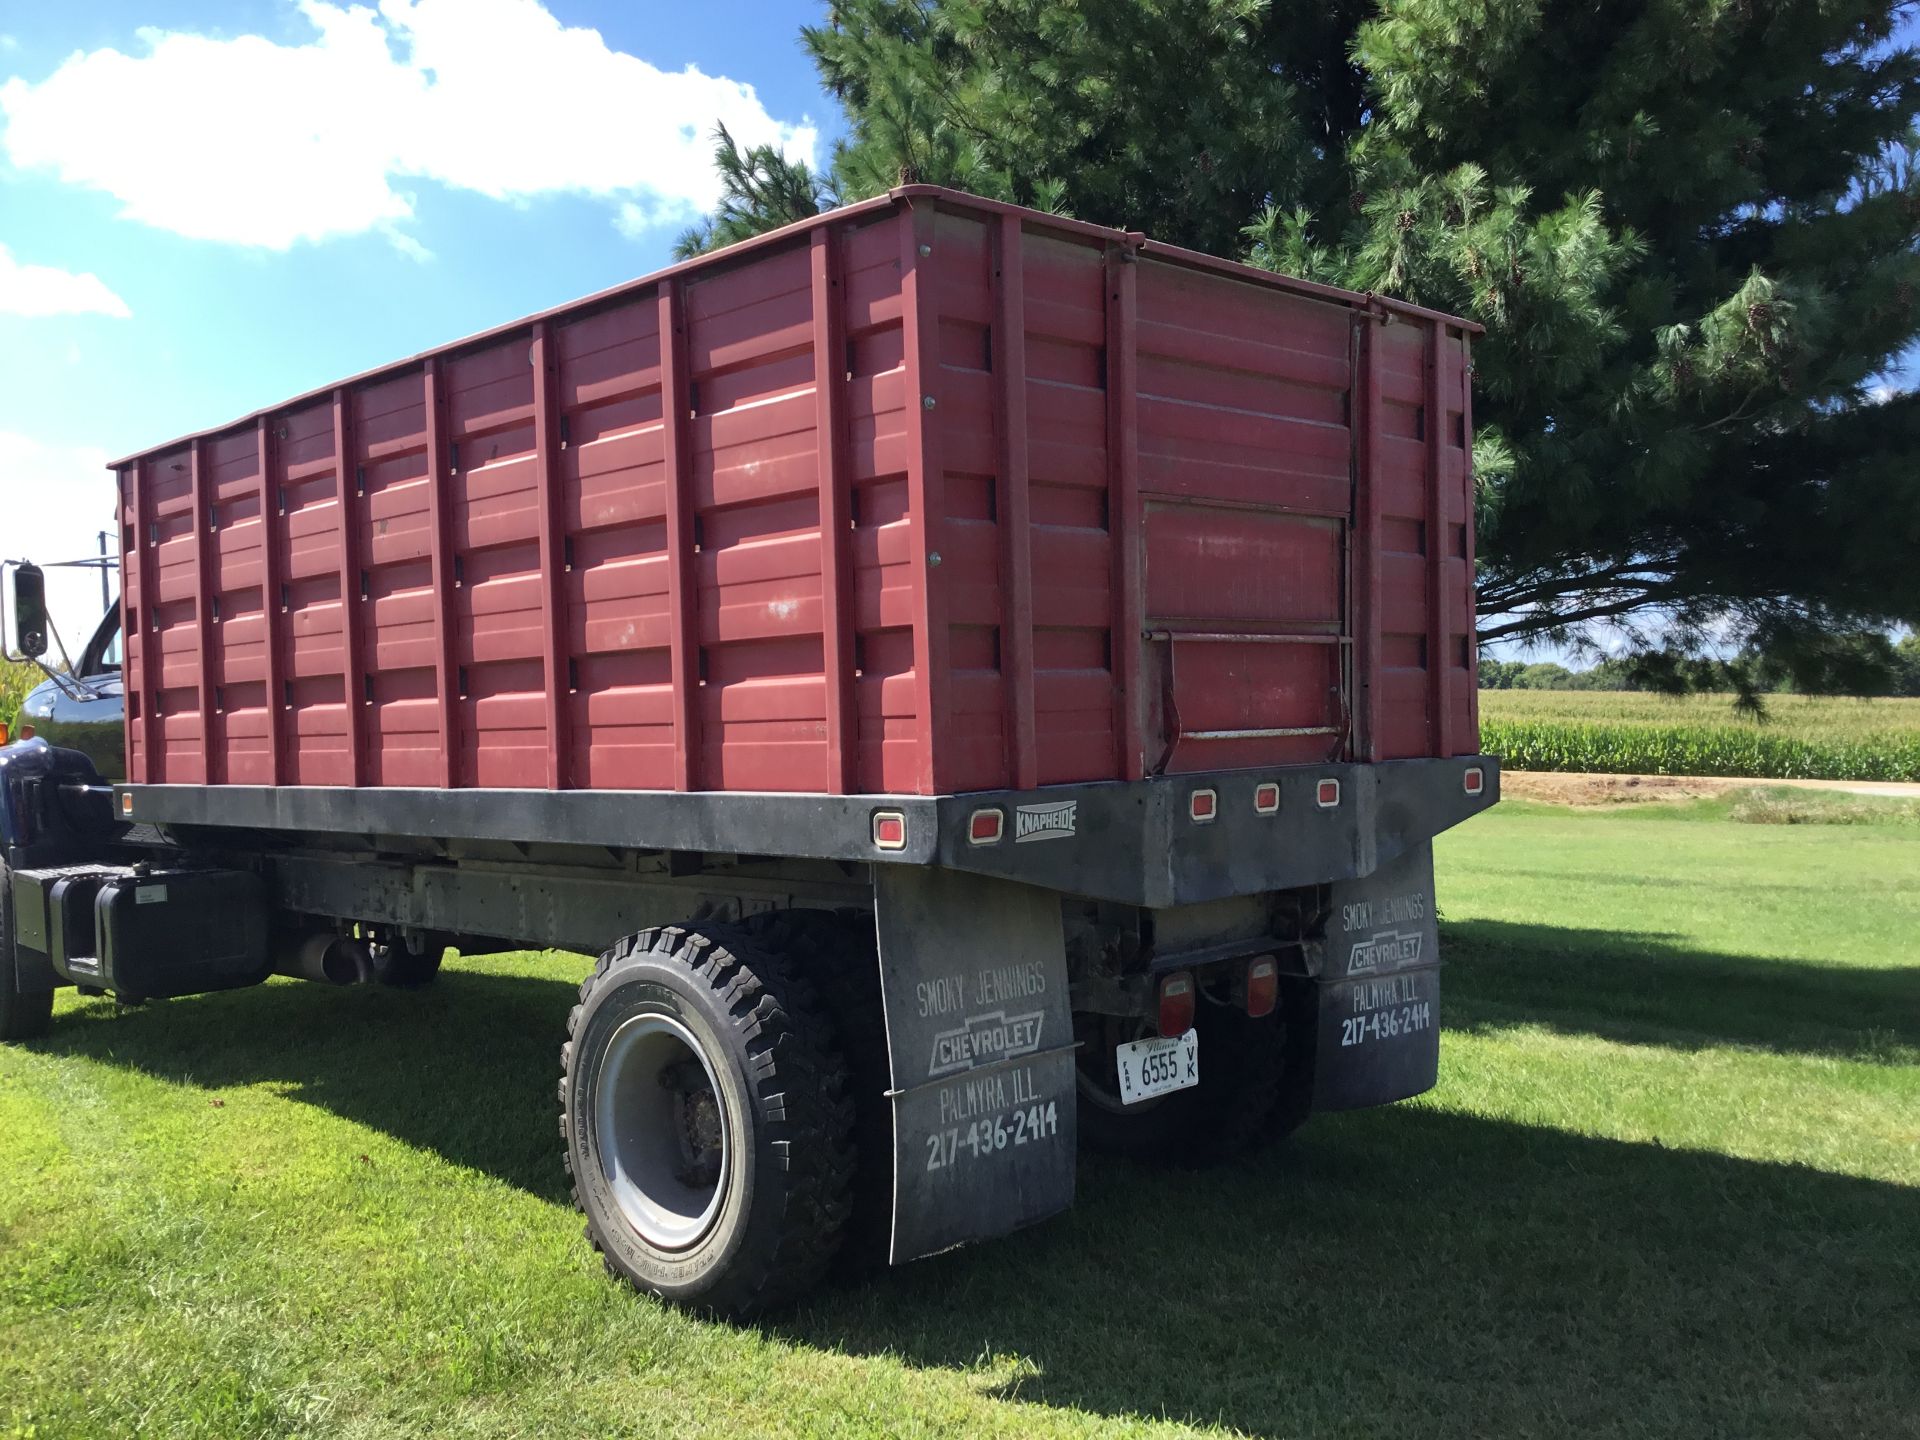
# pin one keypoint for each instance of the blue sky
(206, 207)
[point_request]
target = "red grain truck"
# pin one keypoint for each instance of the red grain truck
(982, 681)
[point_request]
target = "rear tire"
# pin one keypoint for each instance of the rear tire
(1226, 1114)
(707, 1123)
(839, 952)
(404, 968)
(22, 1017)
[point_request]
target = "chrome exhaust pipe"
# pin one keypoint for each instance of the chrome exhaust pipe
(325, 958)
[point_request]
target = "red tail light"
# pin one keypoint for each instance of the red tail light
(1202, 806)
(1328, 794)
(889, 830)
(1474, 780)
(1263, 987)
(1266, 799)
(26, 732)
(1176, 1003)
(984, 827)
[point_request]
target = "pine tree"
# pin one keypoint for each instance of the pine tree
(760, 190)
(1689, 227)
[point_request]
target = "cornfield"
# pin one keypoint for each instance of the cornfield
(1633, 734)
(16, 679)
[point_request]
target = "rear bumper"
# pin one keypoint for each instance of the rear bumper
(1139, 844)
(1133, 843)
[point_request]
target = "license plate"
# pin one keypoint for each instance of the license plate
(1154, 1067)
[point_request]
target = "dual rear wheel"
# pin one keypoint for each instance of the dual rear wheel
(709, 1114)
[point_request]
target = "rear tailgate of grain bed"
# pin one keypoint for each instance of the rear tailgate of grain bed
(926, 495)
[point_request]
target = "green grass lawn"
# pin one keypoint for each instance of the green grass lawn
(1670, 1183)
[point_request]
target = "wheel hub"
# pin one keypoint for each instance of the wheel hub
(663, 1131)
(698, 1122)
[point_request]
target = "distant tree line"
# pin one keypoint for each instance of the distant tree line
(1858, 658)
(1550, 675)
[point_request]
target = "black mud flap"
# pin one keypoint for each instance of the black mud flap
(973, 972)
(1375, 1032)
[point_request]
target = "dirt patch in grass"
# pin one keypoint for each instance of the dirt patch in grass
(1559, 788)
(1804, 802)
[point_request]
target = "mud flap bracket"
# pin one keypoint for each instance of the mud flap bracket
(973, 973)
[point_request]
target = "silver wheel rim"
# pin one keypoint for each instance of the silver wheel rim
(653, 1126)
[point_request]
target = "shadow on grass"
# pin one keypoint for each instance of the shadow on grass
(1411, 1271)
(466, 1068)
(1393, 1271)
(1643, 988)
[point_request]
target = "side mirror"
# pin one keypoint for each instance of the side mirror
(30, 611)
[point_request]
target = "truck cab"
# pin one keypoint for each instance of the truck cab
(91, 717)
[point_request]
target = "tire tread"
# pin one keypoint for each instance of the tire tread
(838, 950)
(796, 1076)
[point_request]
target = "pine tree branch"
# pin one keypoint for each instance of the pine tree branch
(1740, 412)
(1540, 622)
(1497, 598)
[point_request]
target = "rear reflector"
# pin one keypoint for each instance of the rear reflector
(1266, 799)
(1327, 793)
(1263, 986)
(1176, 1003)
(1474, 780)
(1203, 805)
(986, 827)
(126, 804)
(889, 830)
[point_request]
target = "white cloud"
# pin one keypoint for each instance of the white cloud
(38, 290)
(406, 244)
(252, 142)
(635, 218)
(54, 501)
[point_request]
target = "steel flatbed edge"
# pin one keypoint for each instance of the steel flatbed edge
(1132, 842)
